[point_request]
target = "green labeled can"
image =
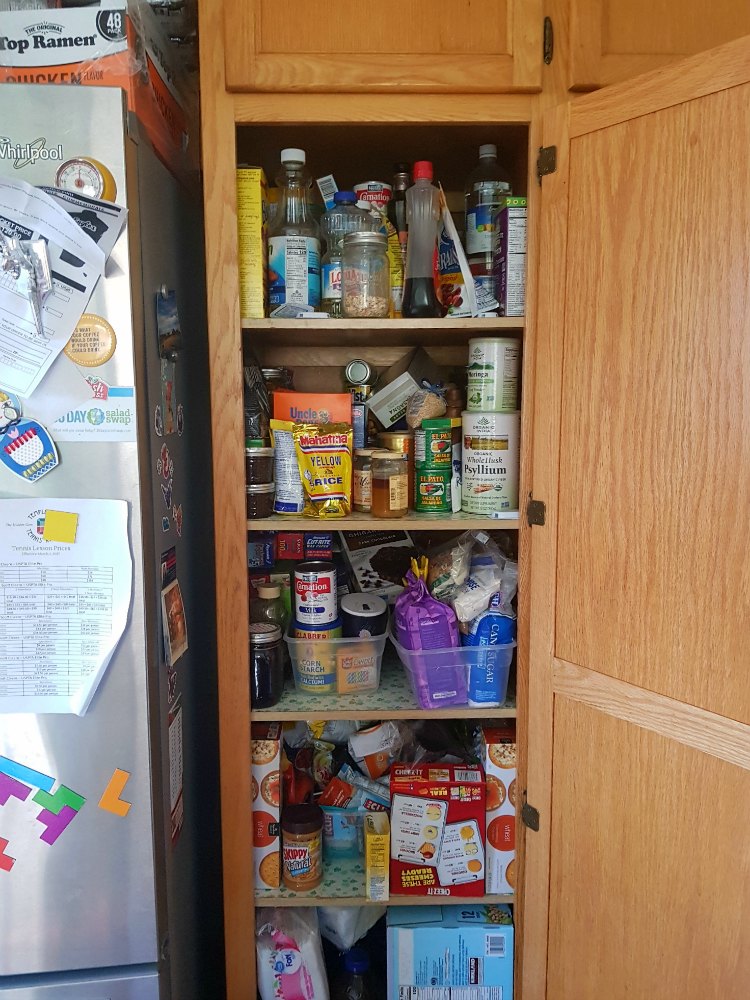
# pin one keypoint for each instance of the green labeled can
(434, 440)
(432, 488)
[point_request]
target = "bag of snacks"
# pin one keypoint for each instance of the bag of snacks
(324, 458)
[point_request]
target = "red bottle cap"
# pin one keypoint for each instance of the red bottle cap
(422, 169)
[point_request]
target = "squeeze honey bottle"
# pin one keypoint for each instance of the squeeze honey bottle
(390, 484)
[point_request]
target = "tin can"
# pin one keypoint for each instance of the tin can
(491, 449)
(332, 630)
(360, 393)
(358, 372)
(433, 490)
(433, 443)
(492, 375)
(315, 596)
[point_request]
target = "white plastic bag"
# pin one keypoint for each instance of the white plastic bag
(290, 954)
(345, 925)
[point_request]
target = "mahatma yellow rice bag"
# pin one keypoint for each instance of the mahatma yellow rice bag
(324, 456)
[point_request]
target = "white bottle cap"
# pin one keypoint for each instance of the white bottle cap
(292, 156)
(489, 149)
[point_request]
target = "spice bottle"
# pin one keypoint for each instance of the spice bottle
(390, 484)
(302, 847)
(366, 282)
(266, 665)
(362, 486)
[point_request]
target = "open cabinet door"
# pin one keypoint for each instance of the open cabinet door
(637, 883)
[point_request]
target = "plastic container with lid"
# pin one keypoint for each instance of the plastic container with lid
(366, 276)
(268, 606)
(487, 186)
(258, 465)
(362, 480)
(390, 484)
(266, 664)
(294, 238)
(401, 441)
(260, 499)
(363, 616)
(302, 847)
(422, 216)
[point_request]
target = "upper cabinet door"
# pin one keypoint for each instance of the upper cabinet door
(469, 46)
(637, 881)
(613, 40)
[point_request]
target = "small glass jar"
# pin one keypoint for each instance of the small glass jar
(362, 480)
(390, 484)
(266, 665)
(260, 499)
(258, 465)
(365, 276)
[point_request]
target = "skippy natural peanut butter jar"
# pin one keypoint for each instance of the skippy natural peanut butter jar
(302, 847)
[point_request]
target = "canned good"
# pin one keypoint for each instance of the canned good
(492, 375)
(433, 490)
(433, 445)
(360, 393)
(315, 596)
(491, 443)
(333, 630)
(358, 372)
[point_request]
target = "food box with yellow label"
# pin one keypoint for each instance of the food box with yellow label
(498, 751)
(266, 795)
(377, 853)
(437, 830)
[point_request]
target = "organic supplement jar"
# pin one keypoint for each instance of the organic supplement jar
(491, 448)
(260, 499)
(492, 375)
(366, 280)
(266, 665)
(302, 847)
(390, 484)
(362, 480)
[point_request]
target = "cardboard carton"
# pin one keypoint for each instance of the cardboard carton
(266, 771)
(499, 759)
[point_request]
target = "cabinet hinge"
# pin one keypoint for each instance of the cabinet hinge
(546, 161)
(530, 817)
(549, 41)
(536, 512)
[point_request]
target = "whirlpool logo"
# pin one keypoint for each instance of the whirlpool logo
(23, 153)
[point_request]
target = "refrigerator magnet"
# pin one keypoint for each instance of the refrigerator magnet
(92, 342)
(166, 492)
(165, 524)
(158, 422)
(28, 451)
(180, 419)
(177, 515)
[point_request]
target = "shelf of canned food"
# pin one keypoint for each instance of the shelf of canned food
(393, 699)
(344, 885)
(356, 521)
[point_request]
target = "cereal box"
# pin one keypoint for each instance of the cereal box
(499, 757)
(437, 830)
(377, 850)
(266, 794)
(462, 951)
(251, 246)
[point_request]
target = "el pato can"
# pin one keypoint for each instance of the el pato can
(315, 597)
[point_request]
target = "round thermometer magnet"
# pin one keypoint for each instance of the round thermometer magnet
(86, 176)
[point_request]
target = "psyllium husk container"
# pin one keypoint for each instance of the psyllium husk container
(491, 449)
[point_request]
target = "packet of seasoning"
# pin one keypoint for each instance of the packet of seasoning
(324, 458)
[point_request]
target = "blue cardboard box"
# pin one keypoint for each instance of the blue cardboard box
(460, 946)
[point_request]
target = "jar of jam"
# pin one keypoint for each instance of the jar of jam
(362, 480)
(260, 499)
(266, 665)
(390, 484)
(302, 847)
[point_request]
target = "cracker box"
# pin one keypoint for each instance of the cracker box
(499, 757)
(313, 407)
(266, 793)
(377, 853)
(437, 830)
(457, 951)
(509, 257)
(252, 252)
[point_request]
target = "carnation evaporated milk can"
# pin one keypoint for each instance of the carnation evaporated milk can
(492, 375)
(491, 449)
(315, 598)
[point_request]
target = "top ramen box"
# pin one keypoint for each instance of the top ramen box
(498, 752)
(313, 407)
(266, 785)
(437, 830)
(465, 952)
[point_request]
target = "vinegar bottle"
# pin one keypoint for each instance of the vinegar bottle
(422, 216)
(294, 239)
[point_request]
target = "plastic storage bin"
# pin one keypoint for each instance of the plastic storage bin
(439, 677)
(336, 666)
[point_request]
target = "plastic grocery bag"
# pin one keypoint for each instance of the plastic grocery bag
(290, 955)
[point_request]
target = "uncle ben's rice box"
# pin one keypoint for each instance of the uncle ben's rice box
(437, 830)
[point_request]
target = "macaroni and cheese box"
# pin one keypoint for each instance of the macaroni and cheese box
(313, 407)
(437, 830)
(266, 794)
(498, 752)
(457, 951)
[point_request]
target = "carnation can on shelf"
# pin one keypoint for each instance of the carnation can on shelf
(491, 455)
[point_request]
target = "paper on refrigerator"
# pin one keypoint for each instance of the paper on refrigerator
(63, 606)
(77, 263)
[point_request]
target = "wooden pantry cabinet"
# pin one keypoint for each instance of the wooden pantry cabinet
(632, 701)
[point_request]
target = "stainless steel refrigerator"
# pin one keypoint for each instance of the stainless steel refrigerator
(123, 907)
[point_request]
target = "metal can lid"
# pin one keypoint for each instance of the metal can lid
(264, 633)
(261, 488)
(384, 454)
(377, 240)
(358, 372)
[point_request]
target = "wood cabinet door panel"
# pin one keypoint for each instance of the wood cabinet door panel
(491, 46)
(613, 40)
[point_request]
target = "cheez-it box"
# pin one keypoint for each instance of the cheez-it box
(499, 757)
(266, 784)
(437, 830)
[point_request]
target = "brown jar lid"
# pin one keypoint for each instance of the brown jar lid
(302, 819)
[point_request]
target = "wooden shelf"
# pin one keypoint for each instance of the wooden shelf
(344, 885)
(366, 522)
(390, 332)
(392, 700)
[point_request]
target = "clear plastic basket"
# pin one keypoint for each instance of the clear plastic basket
(440, 678)
(336, 666)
